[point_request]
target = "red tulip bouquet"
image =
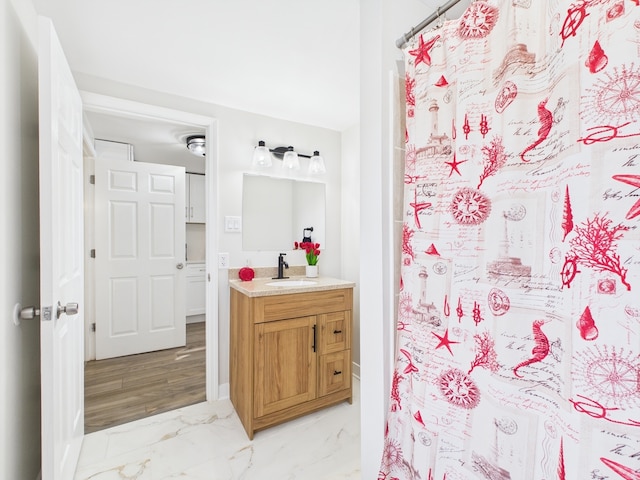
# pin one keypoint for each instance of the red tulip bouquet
(312, 251)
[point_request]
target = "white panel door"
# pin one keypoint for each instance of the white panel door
(140, 257)
(61, 260)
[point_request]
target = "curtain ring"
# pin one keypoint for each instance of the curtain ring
(439, 22)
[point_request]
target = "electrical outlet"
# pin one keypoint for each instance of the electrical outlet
(223, 260)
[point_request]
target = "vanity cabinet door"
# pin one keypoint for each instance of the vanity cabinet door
(285, 365)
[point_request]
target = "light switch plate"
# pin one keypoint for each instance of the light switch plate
(232, 224)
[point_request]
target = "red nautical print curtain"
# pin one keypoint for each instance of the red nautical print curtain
(518, 348)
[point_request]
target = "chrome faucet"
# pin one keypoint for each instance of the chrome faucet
(281, 266)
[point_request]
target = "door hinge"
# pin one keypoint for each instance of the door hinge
(92, 253)
(93, 327)
(92, 179)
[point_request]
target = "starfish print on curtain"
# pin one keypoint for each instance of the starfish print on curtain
(422, 52)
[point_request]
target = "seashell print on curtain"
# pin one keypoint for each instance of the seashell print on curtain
(518, 348)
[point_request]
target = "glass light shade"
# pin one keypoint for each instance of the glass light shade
(261, 156)
(290, 160)
(316, 164)
(197, 145)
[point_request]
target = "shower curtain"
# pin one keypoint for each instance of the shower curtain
(518, 328)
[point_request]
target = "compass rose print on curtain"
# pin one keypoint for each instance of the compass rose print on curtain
(518, 330)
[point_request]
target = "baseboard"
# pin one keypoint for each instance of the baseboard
(223, 391)
(196, 319)
(356, 370)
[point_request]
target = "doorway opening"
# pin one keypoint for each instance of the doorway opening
(120, 120)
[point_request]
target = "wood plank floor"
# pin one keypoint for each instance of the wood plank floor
(124, 389)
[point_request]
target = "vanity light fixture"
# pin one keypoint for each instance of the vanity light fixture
(316, 164)
(290, 158)
(197, 145)
(261, 156)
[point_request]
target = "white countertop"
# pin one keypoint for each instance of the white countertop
(258, 286)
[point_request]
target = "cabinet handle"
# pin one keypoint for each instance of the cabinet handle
(335, 332)
(314, 338)
(337, 372)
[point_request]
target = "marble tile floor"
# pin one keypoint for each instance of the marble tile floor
(206, 441)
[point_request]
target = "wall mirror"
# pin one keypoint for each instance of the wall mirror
(275, 211)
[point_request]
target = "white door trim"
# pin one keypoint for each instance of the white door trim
(126, 108)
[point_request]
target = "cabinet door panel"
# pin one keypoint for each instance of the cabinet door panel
(196, 289)
(335, 332)
(285, 364)
(195, 297)
(335, 372)
(197, 207)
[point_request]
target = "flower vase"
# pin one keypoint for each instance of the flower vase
(312, 271)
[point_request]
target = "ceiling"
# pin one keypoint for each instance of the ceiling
(295, 60)
(291, 59)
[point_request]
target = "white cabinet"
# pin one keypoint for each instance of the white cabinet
(195, 201)
(196, 288)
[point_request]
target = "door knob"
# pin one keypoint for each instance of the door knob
(27, 313)
(69, 309)
(180, 266)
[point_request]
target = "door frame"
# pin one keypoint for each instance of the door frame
(104, 104)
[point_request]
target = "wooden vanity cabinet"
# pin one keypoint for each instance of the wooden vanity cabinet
(290, 355)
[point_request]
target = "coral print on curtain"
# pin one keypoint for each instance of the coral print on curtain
(518, 347)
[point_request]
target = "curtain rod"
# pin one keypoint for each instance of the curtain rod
(401, 42)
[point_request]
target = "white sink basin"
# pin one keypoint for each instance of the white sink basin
(291, 283)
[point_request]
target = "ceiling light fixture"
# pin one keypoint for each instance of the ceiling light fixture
(197, 145)
(290, 161)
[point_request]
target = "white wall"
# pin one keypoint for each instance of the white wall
(19, 243)
(351, 228)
